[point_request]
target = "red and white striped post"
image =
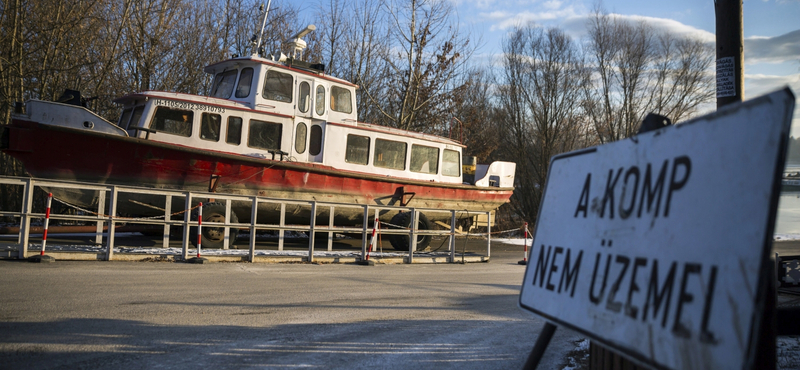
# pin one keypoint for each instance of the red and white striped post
(199, 228)
(375, 227)
(525, 249)
(46, 222)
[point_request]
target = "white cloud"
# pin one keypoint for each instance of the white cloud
(573, 21)
(552, 4)
(508, 20)
(778, 49)
(760, 84)
(669, 25)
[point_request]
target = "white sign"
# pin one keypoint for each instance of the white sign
(726, 77)
(654, 245)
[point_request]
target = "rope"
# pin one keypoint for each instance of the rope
(120, 217)
(454, 233)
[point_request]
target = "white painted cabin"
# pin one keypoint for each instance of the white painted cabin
(294, 112)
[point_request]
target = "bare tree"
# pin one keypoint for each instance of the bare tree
(621, 53)
(474, 115)
(637, 70)
(427, 52)
(680, 80)
(336, 26)
(543, 75)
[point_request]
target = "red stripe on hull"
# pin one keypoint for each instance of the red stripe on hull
(70, 154)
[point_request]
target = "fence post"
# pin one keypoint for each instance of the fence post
(452, 236)
(253, 217)
(112, 212)
(226, 236)
(187, 215)
(311, 228)
(199, 228)
(364, 233)
(167, 219)
(101, 209)
(282, 224)
(488, 234)
(330, 228)
(25, 220)
(412, 245)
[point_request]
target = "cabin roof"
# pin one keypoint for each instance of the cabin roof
(211, 68)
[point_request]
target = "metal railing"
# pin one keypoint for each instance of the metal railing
(104, 215)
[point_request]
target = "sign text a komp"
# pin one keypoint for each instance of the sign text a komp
(655, 245)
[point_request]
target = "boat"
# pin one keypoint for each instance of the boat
(790, 181)
(271, 126)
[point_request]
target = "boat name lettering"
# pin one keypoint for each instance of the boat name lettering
(189, 106)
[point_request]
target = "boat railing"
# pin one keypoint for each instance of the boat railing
(104, 219)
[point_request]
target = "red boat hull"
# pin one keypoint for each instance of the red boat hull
(63, 153)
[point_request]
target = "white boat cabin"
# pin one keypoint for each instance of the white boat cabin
(291, 112)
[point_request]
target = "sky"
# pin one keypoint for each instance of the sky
(771, 30)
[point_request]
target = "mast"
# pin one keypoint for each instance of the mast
(263, 24)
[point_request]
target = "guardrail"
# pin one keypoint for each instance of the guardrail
(104, 215)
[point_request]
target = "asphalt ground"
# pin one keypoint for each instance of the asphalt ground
(145, 315)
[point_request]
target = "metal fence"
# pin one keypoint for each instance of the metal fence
(104, 216)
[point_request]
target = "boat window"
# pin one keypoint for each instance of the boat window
(278, 86)
(424, 159)
(234, 134)
(223, 84)
(124, 118)
(340, 100)
(173, 121)
(357, 149)
(320, 103)
(315, 146)
(390, 154)
(264, 135)
(245, 80)
(137, 115)
(209, 126)
(451, 163)
(300, 138)
(305, 94)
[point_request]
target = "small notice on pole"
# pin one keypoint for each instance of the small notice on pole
(726, 77)
(658, 245)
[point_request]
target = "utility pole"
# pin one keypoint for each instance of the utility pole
(730, 52)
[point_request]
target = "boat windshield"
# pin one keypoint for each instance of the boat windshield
(451, 163)
(173, 121)
(245, 80)
(278, 86)
(340, 100)
(223, 84)
(424, 159)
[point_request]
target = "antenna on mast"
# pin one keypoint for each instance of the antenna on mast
(297, 43)
(258, 50)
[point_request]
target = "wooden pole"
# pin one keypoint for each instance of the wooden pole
(730, 52)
